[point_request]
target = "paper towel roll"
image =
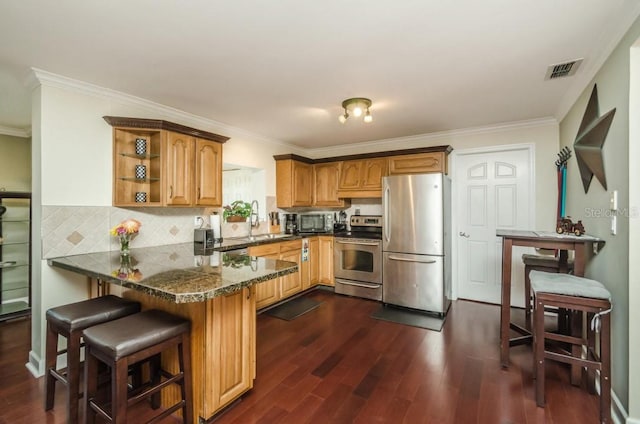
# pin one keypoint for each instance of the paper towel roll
(215, 226)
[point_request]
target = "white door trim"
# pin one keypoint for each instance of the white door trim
(453, 157)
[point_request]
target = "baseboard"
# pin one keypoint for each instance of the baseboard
(34, 364)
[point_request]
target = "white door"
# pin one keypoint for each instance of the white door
(492, 191)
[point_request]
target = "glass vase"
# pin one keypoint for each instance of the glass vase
(124, 244)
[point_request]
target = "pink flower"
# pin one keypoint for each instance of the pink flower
(129, 226)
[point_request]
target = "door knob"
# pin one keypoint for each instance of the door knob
(463, 234)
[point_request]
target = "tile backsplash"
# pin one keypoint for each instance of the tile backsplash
(72, 230)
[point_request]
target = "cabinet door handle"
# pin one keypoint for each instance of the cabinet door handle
(198, 193)
(170, 192)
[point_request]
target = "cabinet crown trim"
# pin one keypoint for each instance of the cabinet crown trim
(433, 149)
(159, 124)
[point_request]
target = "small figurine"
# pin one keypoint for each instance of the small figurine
(565, 225)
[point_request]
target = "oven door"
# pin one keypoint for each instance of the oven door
(357, 259)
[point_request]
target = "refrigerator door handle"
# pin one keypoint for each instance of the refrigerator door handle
(387, 219)
(396, 258)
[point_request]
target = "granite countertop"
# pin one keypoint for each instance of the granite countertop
(243, 242)
(178, 272)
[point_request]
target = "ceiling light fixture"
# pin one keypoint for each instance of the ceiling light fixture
(356, 106)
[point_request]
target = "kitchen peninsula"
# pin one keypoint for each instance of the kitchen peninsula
(214, 290)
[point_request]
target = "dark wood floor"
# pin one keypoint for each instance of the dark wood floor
(338, 365)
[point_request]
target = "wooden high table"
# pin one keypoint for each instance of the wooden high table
(583, 246)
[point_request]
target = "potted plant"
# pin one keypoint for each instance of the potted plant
(237, 211)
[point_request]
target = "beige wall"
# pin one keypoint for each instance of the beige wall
(612, 265)
(15, 163)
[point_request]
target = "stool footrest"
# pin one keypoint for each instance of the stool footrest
(564, 338)
(167, 412)
(145, 393)
(571, 360)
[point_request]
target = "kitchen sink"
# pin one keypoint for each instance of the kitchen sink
(261, 237)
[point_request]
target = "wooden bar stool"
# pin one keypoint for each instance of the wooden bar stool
(69, 321)
(130, 340)
(546, 263)
(575, 294)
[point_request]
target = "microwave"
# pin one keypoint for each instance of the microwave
(311, 223)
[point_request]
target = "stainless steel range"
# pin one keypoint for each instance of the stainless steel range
(357, 258)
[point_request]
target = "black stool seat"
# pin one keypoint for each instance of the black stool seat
(132, 340)
(68, 321)
(125, 336)
(81, 315)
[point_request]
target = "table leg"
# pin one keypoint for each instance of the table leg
(505, 305)
(577, 318)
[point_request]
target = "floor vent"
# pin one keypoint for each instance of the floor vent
(562, 69)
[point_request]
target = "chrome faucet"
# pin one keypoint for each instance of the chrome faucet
(254, 213)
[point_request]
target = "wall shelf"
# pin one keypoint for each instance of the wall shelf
(15, 255)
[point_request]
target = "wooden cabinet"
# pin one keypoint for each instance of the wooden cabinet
(178, 177)
(267, 292)
(208, 175)
(326, 177)
(271, 291)
(231, 338)
(418, 163)
(362, 178)
(314, 265)
(325, 260)
(177, 166)
(294, 183)
(291, 284)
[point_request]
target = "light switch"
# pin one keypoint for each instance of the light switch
(614, 200)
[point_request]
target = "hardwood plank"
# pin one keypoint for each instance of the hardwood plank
(336, 364)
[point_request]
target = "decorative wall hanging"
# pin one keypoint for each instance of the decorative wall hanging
(561, 165)
(589, 141)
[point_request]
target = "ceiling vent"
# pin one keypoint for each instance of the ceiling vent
(562, 69)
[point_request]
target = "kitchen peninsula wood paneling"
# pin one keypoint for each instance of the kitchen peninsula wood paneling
(183, 165)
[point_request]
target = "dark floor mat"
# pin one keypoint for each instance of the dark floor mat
(407, 317)
(293, 308)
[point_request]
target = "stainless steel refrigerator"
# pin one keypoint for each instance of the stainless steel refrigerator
(416, 242)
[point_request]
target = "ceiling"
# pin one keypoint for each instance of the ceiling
(281, 69)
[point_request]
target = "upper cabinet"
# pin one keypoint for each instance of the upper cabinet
(418, 164)
(294, 183)
(159, 163)
(337, 179)
(326, 177)
(362, 178)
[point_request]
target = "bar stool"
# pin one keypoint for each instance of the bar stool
(130, 340)
(576, 294)
(68, 321)
(546, 263)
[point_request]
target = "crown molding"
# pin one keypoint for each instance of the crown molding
(15, 132)
(40, 77)
(420, 139)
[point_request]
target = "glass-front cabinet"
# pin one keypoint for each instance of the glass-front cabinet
(15, 254)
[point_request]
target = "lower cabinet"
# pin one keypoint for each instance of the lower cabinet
(325, 260)
(271, 291)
